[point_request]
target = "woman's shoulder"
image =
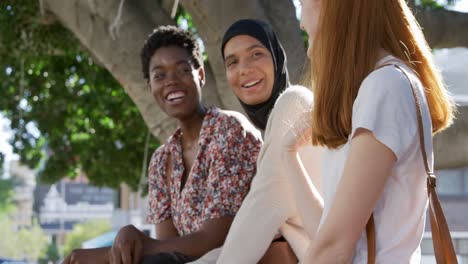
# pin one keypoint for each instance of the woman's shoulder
(232, 120)
(388, 81)
(295, 93)
(293, 100)
(290, 107)
(389, 73)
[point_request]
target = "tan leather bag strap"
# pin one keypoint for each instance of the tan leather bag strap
(441, 239)
(370, 232)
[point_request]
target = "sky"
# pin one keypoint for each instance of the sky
(453, 63)
(462, 6)
(5, 147)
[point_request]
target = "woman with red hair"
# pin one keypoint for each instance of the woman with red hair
(365, 57)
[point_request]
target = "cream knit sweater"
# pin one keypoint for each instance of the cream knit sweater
(270, 209)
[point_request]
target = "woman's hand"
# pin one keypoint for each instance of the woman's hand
(83, 256)
(128, 246)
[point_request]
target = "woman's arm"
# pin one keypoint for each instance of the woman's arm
(270, 202)
(131, 245)
(166, 230)
(308, 200)
(307, 197)
(210, 235)
(93, 255)
(267, 206)
(366, 171)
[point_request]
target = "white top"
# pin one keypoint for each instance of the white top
(385, 105)
(270, 205)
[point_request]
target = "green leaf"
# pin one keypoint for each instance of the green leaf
(79, 109)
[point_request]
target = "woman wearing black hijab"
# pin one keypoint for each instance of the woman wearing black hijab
(256, 70)
(262, 34)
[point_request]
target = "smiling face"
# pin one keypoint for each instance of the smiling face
(174, 82)
(310, 13)
(249, 69)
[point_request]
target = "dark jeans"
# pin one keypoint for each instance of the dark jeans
(168, 258)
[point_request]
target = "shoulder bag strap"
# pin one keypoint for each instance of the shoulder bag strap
(441, 239)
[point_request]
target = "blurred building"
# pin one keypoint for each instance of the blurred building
(62, 205)
(452, 185)
(452, 189)
(132, 210)
(24, 183)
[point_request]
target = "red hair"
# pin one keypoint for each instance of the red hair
(345, 50)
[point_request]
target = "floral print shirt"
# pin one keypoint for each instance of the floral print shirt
(218, 180)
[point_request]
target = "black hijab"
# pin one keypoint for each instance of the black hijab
(263, 32)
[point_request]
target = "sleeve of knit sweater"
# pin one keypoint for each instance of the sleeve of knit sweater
(306, 195)
(270, 201)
